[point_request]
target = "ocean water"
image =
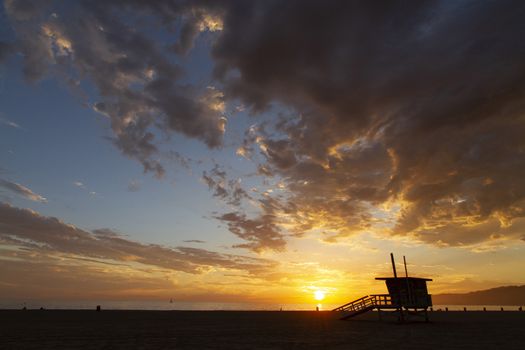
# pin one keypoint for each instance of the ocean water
(201, 306)
(155, 305)
(477, 307)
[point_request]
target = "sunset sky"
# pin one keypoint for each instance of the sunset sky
(259, 151)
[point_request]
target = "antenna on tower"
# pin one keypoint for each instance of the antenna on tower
(393, 264)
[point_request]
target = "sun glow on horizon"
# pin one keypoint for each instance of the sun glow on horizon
(319, 295)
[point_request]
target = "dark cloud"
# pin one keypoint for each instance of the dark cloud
(21, 191)
(487, 235)
(5, 50)
(48, 235)
(229, 190)
(405, 118)
(414, 108)
(194, 22)
(194, 241)
(261, 233)
(179, 159)
(250, 138)
(24, 10)
(137, 79)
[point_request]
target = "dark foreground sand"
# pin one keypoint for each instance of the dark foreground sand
(54, 329)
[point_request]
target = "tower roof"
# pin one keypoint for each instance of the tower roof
(410, 278)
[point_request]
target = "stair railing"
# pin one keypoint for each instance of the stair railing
(374, 300)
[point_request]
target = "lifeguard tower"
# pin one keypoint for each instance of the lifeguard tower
(406, 295)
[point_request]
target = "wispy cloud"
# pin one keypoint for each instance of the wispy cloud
(21, 191)
(49, 235)
(83, 186)
(194, 241)
(79, 184)
(261, 233)
(133, 186)
(9, 123)
(229, 190)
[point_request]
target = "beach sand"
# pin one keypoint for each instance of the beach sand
(60, 329)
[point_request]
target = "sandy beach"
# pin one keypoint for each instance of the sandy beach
(59, 329)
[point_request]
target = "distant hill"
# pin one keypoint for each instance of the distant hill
(510, 295)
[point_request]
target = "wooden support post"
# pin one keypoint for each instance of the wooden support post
(465, 308)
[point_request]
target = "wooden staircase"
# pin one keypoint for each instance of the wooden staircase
(365, 304)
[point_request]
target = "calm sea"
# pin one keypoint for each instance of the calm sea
(184, 305)
(154, 305)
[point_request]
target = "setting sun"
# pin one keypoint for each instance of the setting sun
(319, 295)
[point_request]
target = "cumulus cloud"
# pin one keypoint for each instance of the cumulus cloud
(195, 22)
(49, 235)
(405, 119)
(21, 191)
(409, 120)
(138, 81)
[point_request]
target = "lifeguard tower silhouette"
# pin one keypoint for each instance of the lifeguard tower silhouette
(406, 295)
